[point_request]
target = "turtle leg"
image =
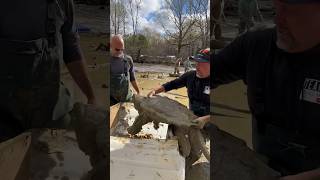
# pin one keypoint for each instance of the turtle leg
(156, 124)
(183, 141)
(136, 127)
(198, 146)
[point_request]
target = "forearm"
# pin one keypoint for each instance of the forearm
(205, 118)
(135, 86)
(79, 73)
(177, 83)
(202, 121)
(159, 89)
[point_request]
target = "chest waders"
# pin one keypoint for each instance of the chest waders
(120, 90)
(30, 74)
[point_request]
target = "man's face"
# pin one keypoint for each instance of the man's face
(203, 69)
(117, 48)
(298, 25)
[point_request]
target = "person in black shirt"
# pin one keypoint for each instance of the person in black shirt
(197, 83)
(281, 69)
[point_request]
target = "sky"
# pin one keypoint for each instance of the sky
(149, 8)
(147, 16)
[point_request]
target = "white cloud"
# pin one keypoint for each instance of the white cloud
(150, 8)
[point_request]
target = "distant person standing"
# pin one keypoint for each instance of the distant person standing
(177, 65)
(122, 73)
(187, 65)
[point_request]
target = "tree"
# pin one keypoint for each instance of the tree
(136, 44)
(179, 13)
(157, 45)
(123, 17)
(134, 8)
(118, 16)
(200, 8)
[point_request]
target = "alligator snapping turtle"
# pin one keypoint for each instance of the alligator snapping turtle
(162, 109)
(231, 158)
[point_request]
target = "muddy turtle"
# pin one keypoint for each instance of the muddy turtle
(162, 109)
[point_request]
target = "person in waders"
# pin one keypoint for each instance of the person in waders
(122, 73)
(34, 44)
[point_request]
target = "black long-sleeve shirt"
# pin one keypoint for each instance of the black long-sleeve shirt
(283, 88)
(198, 89)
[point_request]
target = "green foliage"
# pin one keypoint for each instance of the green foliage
(136, 43)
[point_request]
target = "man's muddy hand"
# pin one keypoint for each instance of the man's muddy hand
(151, 93)
(200, 122)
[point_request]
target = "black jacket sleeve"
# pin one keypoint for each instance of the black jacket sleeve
(230, 63)
(179, 82)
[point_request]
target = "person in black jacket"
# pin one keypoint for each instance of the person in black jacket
(197, 83)
(281, 68)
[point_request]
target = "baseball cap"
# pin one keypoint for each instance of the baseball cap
(202, 56)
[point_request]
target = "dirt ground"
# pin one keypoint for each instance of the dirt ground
(97, 68)
(94, 18)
